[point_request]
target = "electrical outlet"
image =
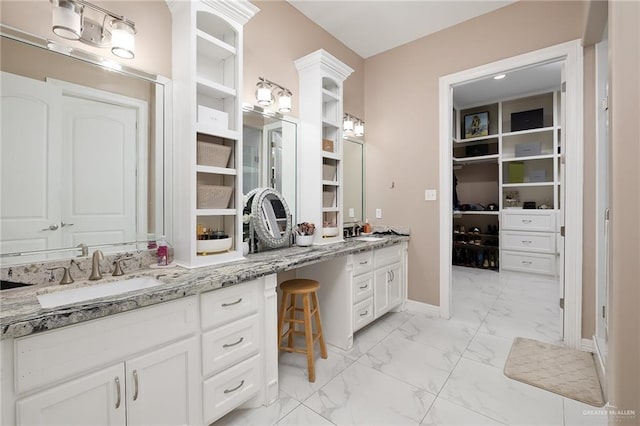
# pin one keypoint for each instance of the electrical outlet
(352, 212)
(430, 195)
(378, 213)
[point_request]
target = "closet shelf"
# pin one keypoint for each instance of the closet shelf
(476, 212)
(529, 158)
(492, 158)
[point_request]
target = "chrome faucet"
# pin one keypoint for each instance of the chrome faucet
(95, 266)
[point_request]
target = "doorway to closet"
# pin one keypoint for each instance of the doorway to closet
(511, 158)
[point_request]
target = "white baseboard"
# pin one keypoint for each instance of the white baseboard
(587, 345)
(423, 308)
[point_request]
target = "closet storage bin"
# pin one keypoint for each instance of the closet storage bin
(212, 117)
(328, 198)
(214, 196)
(213, 154)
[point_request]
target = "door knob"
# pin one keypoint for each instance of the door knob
(51, 227)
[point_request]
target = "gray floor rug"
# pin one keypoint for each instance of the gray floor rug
(565, 371)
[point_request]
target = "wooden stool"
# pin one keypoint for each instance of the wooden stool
(306, 289)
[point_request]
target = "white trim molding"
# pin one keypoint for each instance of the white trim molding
(571, 53)
(586, 345)
(422, 308)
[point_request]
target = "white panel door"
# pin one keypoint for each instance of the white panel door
(96, 399)
(395, 285)
(162, 386)
(29, 146)
(99, 187)
(380, 294)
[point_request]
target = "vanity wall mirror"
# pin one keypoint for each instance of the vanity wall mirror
(270, 153)
(353, 180)
(82, 152)
(270, 219)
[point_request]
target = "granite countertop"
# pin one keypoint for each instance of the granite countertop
(21, 313)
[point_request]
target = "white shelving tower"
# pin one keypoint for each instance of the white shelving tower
(321, 82)
(207, 72)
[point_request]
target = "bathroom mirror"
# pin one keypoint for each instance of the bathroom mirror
(269, 154)
(353, 180)
(82, 152)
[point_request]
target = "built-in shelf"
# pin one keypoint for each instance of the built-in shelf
(326, 122)
(530, 131)
(478, 139)
(526, 184)
(532, 157)
(330, 209)
(216, 170)
(476, 212)
(492, 158)
(216, 131)
(331, 155)
(215, 212)
(330, 183)
(328, 95)
(475, 246)
(213, 48)
(213, 89)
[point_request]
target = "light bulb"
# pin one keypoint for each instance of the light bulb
(263, 94)
(284, 101)
(67, 20)
(123, 40)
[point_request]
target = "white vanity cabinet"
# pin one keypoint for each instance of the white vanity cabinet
(135, 368)
(182, 362)
(388, 279)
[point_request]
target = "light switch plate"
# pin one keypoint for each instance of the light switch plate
(352, 212)
(378, 213)
(430, 194)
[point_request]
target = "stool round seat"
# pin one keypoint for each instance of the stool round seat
(300, 286)
(306, 289)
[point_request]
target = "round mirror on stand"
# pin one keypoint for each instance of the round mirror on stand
(269, 221)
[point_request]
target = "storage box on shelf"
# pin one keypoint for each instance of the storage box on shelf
(321, 80)
(207, 40)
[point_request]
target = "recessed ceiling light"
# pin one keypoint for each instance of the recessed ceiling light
(499, 76)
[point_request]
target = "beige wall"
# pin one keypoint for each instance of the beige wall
(278, 35)
(401, 110)
(623, 363)
(153, 26)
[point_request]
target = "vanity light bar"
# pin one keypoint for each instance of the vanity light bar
(264, 94)
(351, 123)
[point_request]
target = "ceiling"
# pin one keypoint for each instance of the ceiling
(371, 27)
(534, 79)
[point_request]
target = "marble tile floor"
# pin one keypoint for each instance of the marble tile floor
(409, 368)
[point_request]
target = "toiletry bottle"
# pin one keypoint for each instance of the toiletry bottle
(367, 227)
(163, 251)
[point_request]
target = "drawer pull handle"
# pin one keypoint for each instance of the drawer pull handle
(117, 380)
(362, 287)
(364, 263)
(228, 345)
(224, 305)
(526, 241)
(526, 220)
(135, 385)
(526, 262)
(365, 313)
(234, 389)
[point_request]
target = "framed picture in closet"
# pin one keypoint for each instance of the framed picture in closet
(476, 125)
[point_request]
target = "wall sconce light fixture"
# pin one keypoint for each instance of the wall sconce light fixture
(70, 21)
(265, 97)
(352, 124)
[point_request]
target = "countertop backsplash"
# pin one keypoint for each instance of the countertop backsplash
(37, 273)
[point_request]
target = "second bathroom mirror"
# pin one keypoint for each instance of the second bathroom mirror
(353, 181)
(269, 154)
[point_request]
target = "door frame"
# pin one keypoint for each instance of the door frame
(571, 53)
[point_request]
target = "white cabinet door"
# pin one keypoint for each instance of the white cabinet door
(380, 294)
(394, 289)
(161, 384)
(96, 399)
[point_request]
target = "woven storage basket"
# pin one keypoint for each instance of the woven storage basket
(327, 198)
(214, 196)
(328, 172)
(213, 154)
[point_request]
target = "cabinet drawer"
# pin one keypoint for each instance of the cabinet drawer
(362, 287)
(535, 220)
(229, 344)
(529, 262)
(225, 305)
(44, 358)
(362, 262)
(227, 390)
(387, 255)
(540, 242)
(362, 313)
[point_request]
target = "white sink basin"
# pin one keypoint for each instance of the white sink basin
(369, 239)
(90, 292)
